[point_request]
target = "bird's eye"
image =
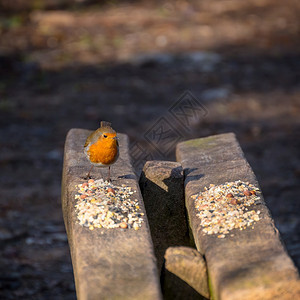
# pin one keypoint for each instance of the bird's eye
(104, 135)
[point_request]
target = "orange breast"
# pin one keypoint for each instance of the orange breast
(103, 153)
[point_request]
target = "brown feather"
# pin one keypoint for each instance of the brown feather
(93, 137)
(105, 124)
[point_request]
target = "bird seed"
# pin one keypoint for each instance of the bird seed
(100, 204)
(222, 208)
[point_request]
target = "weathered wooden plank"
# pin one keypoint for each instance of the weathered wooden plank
(253, 263)
(107, 263)
(189, 265)
(161, 184)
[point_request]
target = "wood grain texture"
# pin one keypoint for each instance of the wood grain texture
(253, 264)
(189, 265)
(161, 183)
(107, 263)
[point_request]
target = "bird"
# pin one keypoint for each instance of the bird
(102, 148)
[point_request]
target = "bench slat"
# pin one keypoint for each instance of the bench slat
(252, 264)
(107, 263)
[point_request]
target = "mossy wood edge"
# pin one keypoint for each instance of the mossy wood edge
(252, 264)
(107, 263)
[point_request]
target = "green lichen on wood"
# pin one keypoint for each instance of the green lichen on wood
(212, 294)
(203, 143)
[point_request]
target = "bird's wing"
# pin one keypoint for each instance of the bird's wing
(93, 137)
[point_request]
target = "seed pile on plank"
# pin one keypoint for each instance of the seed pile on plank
(103, 205)
(224, 207)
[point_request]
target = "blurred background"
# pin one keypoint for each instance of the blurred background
(71, 63)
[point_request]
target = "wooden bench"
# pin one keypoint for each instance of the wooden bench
(120, 263)
(244, 264)
(107, 263)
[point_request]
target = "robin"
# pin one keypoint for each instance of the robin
(102, 147)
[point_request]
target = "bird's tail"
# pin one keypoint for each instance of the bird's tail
(105, 124)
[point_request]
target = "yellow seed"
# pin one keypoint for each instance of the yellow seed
(123, 225)
(91, 227)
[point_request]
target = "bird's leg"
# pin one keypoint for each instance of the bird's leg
(109, 180)
(88, 175)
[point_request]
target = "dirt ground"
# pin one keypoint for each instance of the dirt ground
(70, 64)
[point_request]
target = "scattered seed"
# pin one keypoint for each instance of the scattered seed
(247, 193)
(103, 205)
(256, 218)
(111, 190)
(224, 207)
(135, 226)
(233, 201)
(123, 225)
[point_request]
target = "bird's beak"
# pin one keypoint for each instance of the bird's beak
(115, 138)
